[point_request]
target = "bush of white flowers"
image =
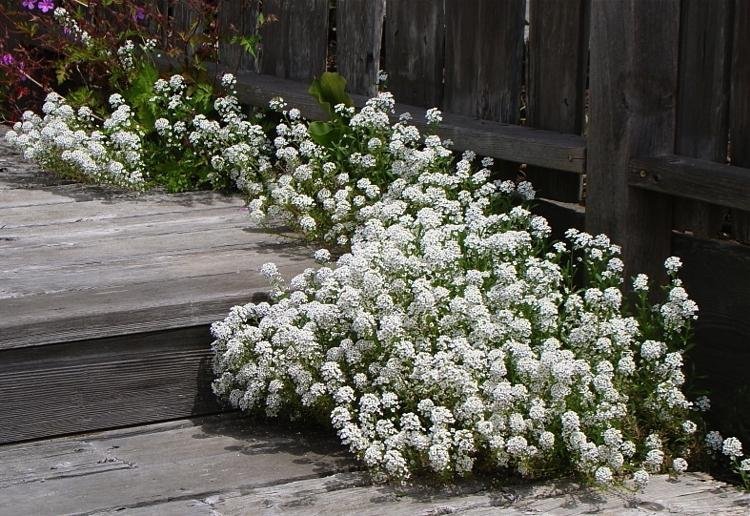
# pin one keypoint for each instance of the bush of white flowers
(162, 138)
(322, 188)
(451, 340)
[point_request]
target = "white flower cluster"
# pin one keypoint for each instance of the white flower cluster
(67, 141)
(325, 193)
(116, 151)
(127, 52)
(450, 339)
(70, 25)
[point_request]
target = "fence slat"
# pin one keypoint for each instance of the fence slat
(296, 45)
(557, 59)
(484, 58)
(359, 33)
(739, 111)
(633, 83)
(702, 105)
(236, 18)
(557, 65)
(414, 38)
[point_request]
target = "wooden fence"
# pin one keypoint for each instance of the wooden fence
(631, 117)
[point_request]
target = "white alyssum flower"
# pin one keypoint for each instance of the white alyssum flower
(732, 447)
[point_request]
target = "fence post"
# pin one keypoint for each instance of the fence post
(633, 86)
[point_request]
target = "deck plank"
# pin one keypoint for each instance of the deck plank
(693, 494)
(227, 466)
(178, 464)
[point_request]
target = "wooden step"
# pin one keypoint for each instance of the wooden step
(106, 298)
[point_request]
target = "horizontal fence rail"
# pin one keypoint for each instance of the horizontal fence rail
(488, 138)
(691, 178)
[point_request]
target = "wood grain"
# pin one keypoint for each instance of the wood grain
(414, 50)
(295, 46)
(237, 18)
(359, 34)
(225, 465)
(483, 58)
(118, 381)
(633, 81)
(689, 178)
(703, 103)
(695, 492)
(182, 462)
(106, 300)
(715, 275)
(557, 65)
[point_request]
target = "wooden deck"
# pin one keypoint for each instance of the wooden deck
(222, 465)
(106, 297)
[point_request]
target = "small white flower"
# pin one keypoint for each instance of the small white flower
(732, 447)
(679, 465)
(434, 116)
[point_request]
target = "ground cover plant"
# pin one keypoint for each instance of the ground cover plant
(450, 337)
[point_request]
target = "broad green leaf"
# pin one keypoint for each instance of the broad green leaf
(330, 90)
(323, 133)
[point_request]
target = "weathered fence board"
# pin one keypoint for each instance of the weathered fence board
(739, 108)
(634, 50)
(484, 58)
(359, 34)
(703, 101)
(414, 54)
(296, 45)
(686, 178)
(557, 65)
(716, 276)
(237, 18)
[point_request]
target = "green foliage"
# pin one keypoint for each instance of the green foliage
(329, 90)
(139, 94)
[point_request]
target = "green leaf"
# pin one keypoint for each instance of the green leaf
(202, 96)
(139, 94)
(330, 90)
(323, 133)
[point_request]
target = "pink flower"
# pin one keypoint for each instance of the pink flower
(29, 4)
(7, 59)
(46, 5)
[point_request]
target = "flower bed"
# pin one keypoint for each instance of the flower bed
(450, 337)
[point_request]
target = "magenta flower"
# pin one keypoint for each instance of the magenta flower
(46, 5)
(7, 59)
(29, 4)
